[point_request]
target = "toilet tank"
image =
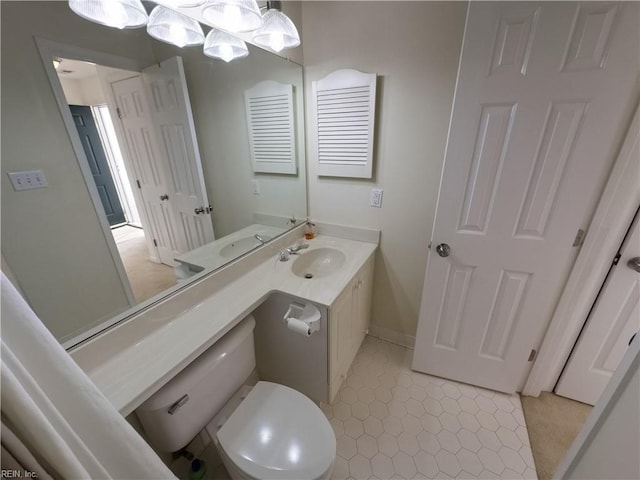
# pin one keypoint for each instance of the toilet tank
(179, 410)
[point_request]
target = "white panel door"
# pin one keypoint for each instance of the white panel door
(149, 171)
(172, 116)
(542, 93)
(614, 319)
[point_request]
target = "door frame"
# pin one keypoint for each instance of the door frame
(601, 411)
(49, 49)
(125, 199)
(615, 212)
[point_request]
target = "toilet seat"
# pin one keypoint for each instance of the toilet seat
(278, 433)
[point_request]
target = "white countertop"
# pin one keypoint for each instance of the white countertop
(210, 256)
(134, 360)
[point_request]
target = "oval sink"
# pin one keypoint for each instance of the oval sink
(242, 245)
(318, 263)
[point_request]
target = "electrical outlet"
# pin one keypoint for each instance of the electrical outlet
(376, 198)
(255, 187)
(27, 180)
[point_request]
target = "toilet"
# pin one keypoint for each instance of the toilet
(275, 432)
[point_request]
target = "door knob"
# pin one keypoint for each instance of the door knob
(443, 250)
(164, 197)
(634, 264)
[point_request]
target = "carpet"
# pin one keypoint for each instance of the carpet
(553, 423)
(146, 277)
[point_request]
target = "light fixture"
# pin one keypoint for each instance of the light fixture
(172, 27)
(277, 31)
(56, 62)
(184, 3)
(112, 13)
(222, 45)
(233, 15)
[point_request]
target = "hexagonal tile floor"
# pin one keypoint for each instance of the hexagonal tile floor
(391, 422)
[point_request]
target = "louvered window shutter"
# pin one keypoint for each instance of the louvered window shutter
(269, 107)
(345, 115)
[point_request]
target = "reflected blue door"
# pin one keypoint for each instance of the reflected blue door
(83, 120)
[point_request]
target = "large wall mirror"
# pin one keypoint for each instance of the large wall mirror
(144, 160)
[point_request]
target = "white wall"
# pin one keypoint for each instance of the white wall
(82, 91)
(72, 91)
(414, 48)
(51, 237)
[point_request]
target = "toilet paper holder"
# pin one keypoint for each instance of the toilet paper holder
(304, 312)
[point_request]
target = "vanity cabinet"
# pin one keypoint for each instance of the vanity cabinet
(349, 317)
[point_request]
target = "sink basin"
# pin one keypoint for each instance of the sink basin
(318, 263)
(242, 245)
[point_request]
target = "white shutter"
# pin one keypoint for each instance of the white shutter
(269, 107)
(345, 114)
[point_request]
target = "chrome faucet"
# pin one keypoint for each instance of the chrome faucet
(260, 239)
(296, 248)
(283, 256)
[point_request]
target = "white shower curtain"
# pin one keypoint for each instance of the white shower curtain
(56, 412)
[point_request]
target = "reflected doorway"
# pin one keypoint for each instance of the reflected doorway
(93, 120)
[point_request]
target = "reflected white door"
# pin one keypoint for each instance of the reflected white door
(542, 92)
(149, 169)
(172, 116)
(615, 318)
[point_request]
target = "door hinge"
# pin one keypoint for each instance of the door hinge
(155, 242)
(579, 238)
(616, 259)
(119, 113)
(138, 183)
(532, 356)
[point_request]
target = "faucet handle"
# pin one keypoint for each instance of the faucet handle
(284, 256)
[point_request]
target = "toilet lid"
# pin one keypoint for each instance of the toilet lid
(278, 433)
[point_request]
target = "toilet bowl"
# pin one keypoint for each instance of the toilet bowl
(276, 432)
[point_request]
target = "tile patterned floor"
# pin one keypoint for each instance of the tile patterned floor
(391, 422)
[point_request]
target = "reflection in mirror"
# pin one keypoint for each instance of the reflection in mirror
(160, 164)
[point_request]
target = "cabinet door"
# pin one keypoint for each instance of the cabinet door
(340, 339)
(362, 289)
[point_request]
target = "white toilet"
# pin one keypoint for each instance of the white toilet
(274, 433)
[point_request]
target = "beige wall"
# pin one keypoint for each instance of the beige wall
(51, 237)
(414, 48)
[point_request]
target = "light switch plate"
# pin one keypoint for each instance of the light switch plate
(255, 187)
(376, 198)
(27, 180)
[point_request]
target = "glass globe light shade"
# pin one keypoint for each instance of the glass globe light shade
(111, 13)
(222, 45)
(175, 28)
(185, 3)
(233, 15)
(277, 32)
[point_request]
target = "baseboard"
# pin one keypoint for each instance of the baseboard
(392, 336)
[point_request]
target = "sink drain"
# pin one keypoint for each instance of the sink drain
(309, 275)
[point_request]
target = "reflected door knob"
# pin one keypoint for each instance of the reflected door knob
(443, 250)
(634, 264)
(203, 210)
